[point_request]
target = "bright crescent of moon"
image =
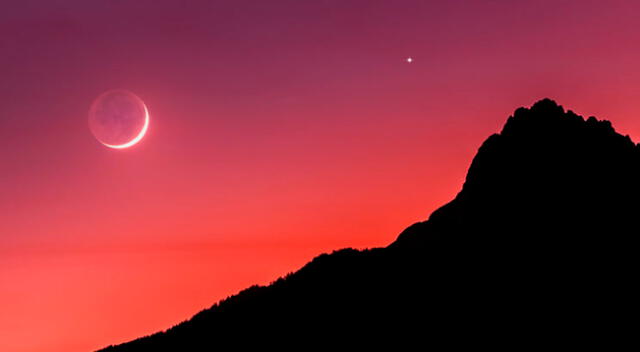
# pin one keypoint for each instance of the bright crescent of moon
(138, 137)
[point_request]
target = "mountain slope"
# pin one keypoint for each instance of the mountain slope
(539, 246)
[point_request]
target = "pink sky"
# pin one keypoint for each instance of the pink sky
(279, 130)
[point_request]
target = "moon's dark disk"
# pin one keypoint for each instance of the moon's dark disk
(118, 119)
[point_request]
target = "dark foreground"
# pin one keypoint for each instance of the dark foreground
(538, 249)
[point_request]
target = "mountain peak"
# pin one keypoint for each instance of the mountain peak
(546, 117)
(545, 159)
(544, 106)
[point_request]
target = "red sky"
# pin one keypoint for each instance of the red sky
(279, 130)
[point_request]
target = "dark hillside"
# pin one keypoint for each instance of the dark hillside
(539, 247)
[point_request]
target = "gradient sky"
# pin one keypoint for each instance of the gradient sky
(279, 130)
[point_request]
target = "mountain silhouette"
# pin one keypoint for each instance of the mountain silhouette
(539, 248)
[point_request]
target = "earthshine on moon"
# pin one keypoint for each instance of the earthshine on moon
(118, 119)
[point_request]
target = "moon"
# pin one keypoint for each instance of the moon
(118, 119)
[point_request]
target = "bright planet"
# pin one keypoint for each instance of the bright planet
(118, 119)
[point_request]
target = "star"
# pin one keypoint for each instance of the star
(409, 59)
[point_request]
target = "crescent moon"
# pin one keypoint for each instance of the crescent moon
(132, 142)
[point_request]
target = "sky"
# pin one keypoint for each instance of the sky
(278, 130)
